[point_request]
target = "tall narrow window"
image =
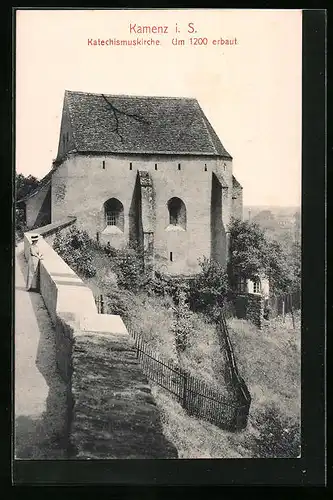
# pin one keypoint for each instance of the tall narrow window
(130, 166)
(205, 167)
(103, 164)
(114, 213)
(179, 166)
(256, 286)
(155, 166)
(177, 212)
(171, 257)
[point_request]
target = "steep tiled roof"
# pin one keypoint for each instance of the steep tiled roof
(235, 182)
(130, 124)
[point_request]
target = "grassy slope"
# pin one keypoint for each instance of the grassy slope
(151, 317)
(268, 360)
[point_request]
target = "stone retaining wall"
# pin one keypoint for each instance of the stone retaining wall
(111, 412)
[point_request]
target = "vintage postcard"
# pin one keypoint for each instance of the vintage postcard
(158, 234)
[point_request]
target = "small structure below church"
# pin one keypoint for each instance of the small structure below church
(149, 171)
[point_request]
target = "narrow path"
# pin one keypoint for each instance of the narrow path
(40, 394)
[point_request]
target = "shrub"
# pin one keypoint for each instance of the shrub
(117, 303)
(75, 247)
(20, 226)
(129, 269)
(181, 325)
(209, 290)
(279, 436)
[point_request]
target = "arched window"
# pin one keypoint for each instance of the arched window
(177, 212)
(114, 213)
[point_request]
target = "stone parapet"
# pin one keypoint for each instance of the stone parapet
(111, 412)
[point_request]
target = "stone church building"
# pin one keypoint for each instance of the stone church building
(149, 171)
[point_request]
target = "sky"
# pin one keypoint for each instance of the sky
(250, 91)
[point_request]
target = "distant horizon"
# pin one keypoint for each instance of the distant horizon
(271, 206)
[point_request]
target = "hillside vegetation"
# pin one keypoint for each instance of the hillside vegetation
(268, 359)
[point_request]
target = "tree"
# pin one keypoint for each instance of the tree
(209, 289)
(280, 270)
(252, 254)
(25, 185)
(266, 219)
(248, 251)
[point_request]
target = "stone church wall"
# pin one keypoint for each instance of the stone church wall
(82, 184)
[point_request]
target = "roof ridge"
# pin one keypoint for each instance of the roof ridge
(133, 96)
(92, 128)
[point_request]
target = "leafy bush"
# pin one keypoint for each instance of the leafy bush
(117, 303)
(75, 247)
(279, 436)
(20, 226)
(130, 270)
(23, 187)
(209, 289)
(170, 286)
(181, 325)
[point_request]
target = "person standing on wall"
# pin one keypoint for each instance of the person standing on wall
(35, 256)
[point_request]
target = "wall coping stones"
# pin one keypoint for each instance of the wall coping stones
(71, 296)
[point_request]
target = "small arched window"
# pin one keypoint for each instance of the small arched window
(114, 213)
(177, 212)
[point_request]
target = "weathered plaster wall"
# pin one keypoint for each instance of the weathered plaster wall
(146, 219)
(81, 185)
(218, 232)
(237, 203)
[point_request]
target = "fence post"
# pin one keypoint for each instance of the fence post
(185, 383)
(291, 311)
(283, 308)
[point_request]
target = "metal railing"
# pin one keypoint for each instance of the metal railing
(226, 410)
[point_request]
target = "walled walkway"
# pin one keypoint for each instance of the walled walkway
(40, 395)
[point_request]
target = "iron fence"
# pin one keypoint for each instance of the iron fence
(284, 304)
(198, 398)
